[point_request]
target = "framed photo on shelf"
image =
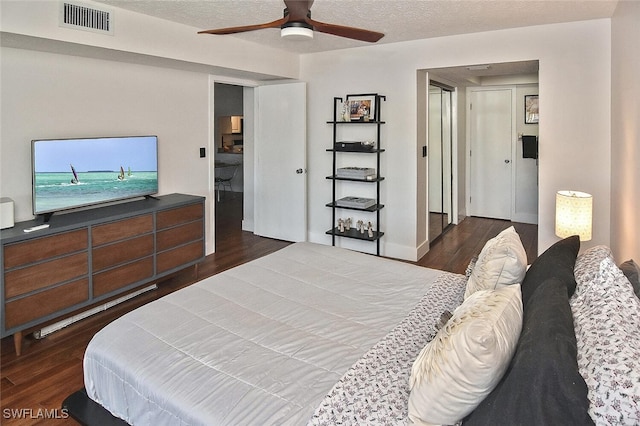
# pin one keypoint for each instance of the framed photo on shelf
(531, 109)
(362, 107)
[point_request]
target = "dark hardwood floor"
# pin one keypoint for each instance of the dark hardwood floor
(460, 243)
(35, 383)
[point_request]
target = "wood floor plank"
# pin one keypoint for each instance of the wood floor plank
(454, 250)
(51, 368)
(43, 406)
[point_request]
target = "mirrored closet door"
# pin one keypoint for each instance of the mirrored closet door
(439, 159)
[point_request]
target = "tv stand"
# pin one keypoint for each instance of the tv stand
(88, 257)
(151, 197)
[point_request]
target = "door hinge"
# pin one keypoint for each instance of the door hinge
(470, 106)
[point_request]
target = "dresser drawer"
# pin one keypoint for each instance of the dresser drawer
(113, 279)
(177, 216)
(120, 230)
(122, 252)
(38, 249)
(45, 274)
(23, 310)
(179, 235)
(179, 256)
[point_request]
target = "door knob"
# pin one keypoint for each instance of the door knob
(507, 161)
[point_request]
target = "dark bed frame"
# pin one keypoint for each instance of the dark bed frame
(87, 412)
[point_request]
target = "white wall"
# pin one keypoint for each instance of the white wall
(625, 139)
(575, 100)
(574, 122)
(139, 37)
(96, 85)
(46, 95)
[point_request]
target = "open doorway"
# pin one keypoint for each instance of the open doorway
(272, 187)
(522, 77)
(229, 161)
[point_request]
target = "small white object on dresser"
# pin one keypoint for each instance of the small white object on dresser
(6, 213)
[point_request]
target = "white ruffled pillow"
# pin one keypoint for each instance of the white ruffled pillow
(502, 261)
(467, 358)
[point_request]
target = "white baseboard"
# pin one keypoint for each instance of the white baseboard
(387, 249)
(247, 225)
(44, 331)
(422, 249)
(530, 218)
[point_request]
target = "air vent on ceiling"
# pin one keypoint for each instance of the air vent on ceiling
(78, 16)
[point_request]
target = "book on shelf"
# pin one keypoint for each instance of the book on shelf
(356, 202)
(356, 172)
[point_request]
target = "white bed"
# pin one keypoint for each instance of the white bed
(259, 344)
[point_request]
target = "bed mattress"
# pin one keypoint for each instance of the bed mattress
(262, 343)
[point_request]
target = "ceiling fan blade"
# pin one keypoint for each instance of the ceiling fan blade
(299, 12)
(234, 30)
(348, 32)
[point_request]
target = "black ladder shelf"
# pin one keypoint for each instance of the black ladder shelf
(335, 179)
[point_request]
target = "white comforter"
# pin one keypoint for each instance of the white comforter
(260, 344)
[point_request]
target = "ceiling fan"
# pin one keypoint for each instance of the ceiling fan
(297, 21)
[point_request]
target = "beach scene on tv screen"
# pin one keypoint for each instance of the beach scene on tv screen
(79, 172)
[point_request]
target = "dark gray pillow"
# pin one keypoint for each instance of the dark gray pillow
(542, 385)
(557, 261)
(632, 271)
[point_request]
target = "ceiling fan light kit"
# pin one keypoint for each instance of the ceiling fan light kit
(297, 23)
(296, 30)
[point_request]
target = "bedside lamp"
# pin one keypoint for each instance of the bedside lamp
(574, 214)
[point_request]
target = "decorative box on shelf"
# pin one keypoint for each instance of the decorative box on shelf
(356, 202)
(364, 173)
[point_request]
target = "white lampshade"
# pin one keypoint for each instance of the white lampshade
(574, 214)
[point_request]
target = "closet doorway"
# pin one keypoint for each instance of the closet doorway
(440, 158)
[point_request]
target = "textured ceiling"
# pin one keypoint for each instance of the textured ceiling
(399, 20)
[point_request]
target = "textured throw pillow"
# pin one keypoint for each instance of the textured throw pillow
(557, 261)
(632, 271)
(542, 385)
(502, 261)
(442, 321)
(467, 358)
(470, 266)
(606, 314)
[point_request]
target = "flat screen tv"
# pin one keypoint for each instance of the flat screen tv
(71, 173)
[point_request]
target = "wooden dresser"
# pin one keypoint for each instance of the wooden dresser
(90, 256)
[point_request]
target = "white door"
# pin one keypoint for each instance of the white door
(280, 194)
(491, 135)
